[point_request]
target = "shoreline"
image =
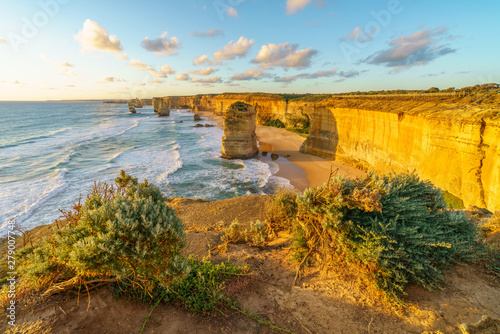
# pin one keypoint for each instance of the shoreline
(302, 170)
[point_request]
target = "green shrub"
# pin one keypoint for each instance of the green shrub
(281, 210)
(276, 123)
(395, 227)
(257, 235)
(124, 233)
(200, 291)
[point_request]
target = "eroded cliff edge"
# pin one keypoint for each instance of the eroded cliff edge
(455, 143)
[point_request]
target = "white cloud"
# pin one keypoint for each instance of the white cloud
(156, 81)
(62, 64)
(201, 60)
(293, 6)
(167, 69)
(232, 12)
(111, 80)
(233, 50)
(121, 56)
(182, 77)
(320, 74)
(209, 80)
(251, 74)
(153, 71)
(360, 35)
(211, 33)
(138, 64)
(284, 55)
(202, 71)
(157, 74)
(162, 45)
(412, 50)
(93, 37)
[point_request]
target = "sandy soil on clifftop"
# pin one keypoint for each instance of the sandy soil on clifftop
(320, 303)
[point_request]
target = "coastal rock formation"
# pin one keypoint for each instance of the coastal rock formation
(239, 141)
(458, 152)
(137, 103)
(131, 108)
(156, 103)
(196, 117)
(450, 142)
(163, 109)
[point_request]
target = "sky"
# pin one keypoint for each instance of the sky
(73, 49)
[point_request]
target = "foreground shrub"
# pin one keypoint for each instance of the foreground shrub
(396, 228)
(124, 233)
(282, 209)
(256, 236)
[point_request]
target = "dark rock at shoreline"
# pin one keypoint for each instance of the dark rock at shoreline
(196, 117)
(264, 154)
(198, 126)
(274, 156)
(208, 125)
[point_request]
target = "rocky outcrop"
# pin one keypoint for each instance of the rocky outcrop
(196, 117)
(131, 108)
(454, 144)
(239, 141)
(137, 103)
(459, 153)
(156, 103)
(163, 108)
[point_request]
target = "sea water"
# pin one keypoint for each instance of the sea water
(52, 152)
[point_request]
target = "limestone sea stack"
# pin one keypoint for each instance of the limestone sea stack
(137, 103)
(131, 108)
(163, 109)
(156, 103)
(239, 141)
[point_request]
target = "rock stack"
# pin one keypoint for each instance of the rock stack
(137, 103)
(163, 109)
(156, 103)
(131, 108)
(239, 141)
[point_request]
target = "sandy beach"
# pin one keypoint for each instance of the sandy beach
(303, 170)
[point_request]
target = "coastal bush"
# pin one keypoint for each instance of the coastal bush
(257, 235)
(124, 233)
(395, 228)
(275, 123)
(281, 210)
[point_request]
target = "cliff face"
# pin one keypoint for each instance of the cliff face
(460, 155)
(452, 143)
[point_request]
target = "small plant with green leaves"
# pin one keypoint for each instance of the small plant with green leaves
(396, 228)
(124, 233)
(257, 235)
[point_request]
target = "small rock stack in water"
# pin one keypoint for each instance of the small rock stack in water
(163, 109)
(239, 141)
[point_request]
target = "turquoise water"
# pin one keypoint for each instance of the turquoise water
(51, 152)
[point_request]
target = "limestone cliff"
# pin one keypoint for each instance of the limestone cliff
(454, 143)
(458, 151)
(239, 141)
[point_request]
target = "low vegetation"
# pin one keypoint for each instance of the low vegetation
(126, 235)
(395, 229)
(122, 233)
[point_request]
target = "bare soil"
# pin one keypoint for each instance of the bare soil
(335, 302)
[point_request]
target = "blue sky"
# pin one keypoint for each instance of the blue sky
(70, 49)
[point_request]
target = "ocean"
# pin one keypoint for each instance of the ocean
(52, 152)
